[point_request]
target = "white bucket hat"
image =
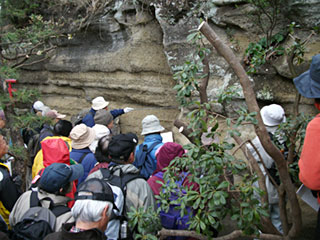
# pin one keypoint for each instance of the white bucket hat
(99, 103)
(38, 105)
(82, 136)
(151, 124)
(272, 115)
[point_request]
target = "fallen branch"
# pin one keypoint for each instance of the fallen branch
(163, 233)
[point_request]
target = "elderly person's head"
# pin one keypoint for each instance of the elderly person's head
(94, 205)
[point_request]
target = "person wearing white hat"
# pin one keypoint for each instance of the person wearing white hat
(37, 106)
(272, 116)
(145, 155)
(100, 103)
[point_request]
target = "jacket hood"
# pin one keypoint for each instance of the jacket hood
(166, 153)
(153, 138)
(55, 150)
(101, 131)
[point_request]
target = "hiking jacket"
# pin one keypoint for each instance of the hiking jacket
(100, 131)
(65, 234)
(138, 194)
(9, 193)
(23, 204)
(149, 140)
(46, 131)
(89, 118)
(268, 161)
(38, 162)
(88, 162)
(309, 162)
(51, 155)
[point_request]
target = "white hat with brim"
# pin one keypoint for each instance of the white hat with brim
(151, 124)
(82, 136)
(272, 115)
(99, 103)
(38, 105)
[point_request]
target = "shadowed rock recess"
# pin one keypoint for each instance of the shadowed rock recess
(128, 57)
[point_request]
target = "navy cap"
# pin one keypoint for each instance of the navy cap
(58, 175)
(308, 83)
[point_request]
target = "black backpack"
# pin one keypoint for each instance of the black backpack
(120, 183)
(34, 147)
(38, 221)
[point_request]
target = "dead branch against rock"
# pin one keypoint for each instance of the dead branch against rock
(163, 233)
(183, 128)
(260, 129)
(204, 81)
(282, 207)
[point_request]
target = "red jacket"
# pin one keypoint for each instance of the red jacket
(309, 162)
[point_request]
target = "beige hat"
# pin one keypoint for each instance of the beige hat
(82, 136)
(151, 124)
(54, 114)
(99, 103)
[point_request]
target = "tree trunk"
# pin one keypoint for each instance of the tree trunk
(19, 163)
(260, 129)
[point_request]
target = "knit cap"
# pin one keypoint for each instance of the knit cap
(103, 117)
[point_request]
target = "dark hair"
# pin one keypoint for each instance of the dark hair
(65, 189)
(62, 128)
(317, 100)
(101, 153)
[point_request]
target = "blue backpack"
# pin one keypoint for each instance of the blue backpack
(172, 219)
(144, 161)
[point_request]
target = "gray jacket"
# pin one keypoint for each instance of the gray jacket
(23, 204)
(139, 193)
(271, 189)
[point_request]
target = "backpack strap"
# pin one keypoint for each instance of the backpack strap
(105, 173)
(82, 157)
(144, 150)
(151, 147)
(59, 210)
(34, 200)
(56, 210)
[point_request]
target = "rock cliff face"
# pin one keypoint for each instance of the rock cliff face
(129, 57)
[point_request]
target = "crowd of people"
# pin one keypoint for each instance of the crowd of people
(85, 179)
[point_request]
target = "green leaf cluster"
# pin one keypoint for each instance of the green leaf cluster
(260, 52)
(147, 222)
